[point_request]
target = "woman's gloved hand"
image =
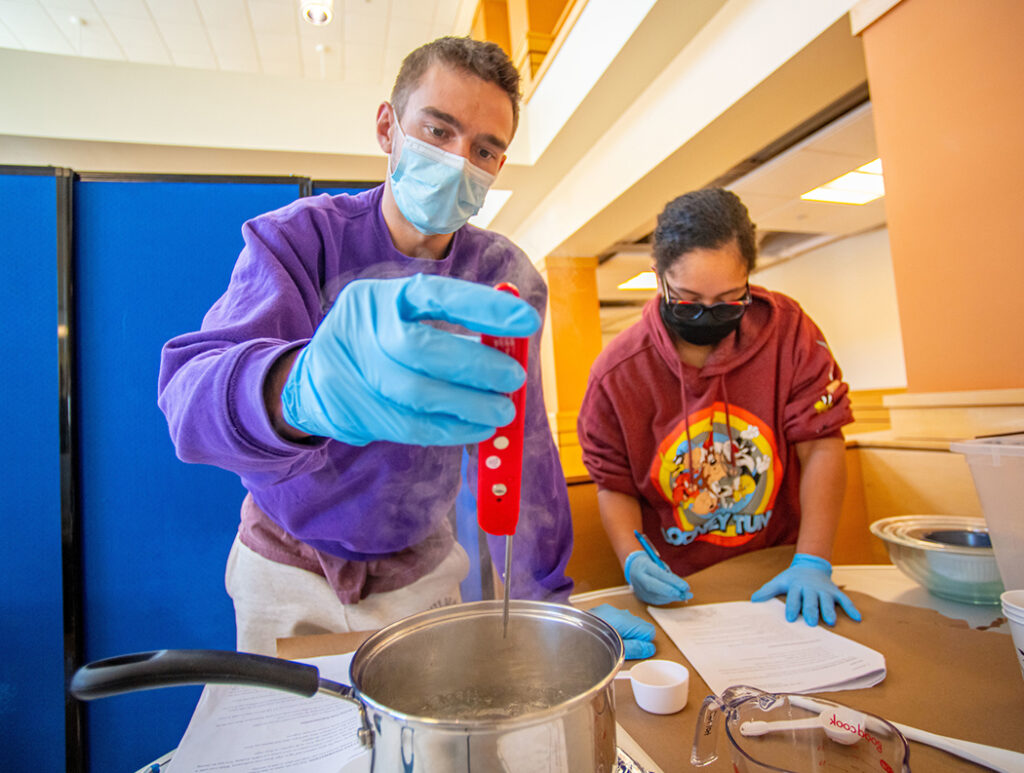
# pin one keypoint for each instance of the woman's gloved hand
(637, 634)
(373, 371)
(654, 584)
(808, 587)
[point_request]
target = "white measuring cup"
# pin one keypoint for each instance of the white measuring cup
(659, 686)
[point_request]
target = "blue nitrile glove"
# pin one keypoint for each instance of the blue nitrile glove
(652, 583)
(637, 634)
(808, 586)
(374, 371)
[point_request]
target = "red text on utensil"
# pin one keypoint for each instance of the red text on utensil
(856, 729)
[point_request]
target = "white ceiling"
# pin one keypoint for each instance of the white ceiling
(364, 43)
(772, 191)
(220, 75)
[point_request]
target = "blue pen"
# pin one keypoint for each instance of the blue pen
(649, 550)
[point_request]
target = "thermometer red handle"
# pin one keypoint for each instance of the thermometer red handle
(500, 472)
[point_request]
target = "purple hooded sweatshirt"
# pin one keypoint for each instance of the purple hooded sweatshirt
(357, 504)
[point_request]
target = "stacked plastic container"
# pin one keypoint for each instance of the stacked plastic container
(997, 466)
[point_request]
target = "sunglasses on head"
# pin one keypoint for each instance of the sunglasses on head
(690, 311)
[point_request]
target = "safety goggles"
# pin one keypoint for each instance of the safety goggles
(689, 311)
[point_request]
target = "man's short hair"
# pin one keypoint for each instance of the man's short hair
(481, 58)
(707, 218)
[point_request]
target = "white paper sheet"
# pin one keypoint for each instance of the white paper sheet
(259, 730)
(742, 642)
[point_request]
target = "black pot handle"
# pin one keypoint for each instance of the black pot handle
(167, 668)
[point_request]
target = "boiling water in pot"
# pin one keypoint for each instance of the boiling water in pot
(490, 702)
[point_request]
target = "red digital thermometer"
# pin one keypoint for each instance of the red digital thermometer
(500, 463)
(500, 472)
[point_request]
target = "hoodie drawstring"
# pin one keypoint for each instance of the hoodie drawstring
(686, 420)
(728, 420)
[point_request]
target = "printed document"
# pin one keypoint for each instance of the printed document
(751, 644)
(263, 730)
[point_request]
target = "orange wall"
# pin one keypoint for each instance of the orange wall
(947, 87)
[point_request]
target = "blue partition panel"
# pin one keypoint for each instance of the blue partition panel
(151, 258)
(31, 612)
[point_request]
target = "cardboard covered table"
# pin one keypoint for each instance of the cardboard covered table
(942, 675)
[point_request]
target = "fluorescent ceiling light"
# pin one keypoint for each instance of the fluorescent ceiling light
(645, 280)
(839, 197)
(874, 167)
(860, 186)
(495, 200)
(318, 12)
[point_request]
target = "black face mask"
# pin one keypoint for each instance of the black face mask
(703, 331)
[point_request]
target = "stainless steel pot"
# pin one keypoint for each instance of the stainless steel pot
(442, 691)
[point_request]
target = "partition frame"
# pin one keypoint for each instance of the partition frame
(70, 520)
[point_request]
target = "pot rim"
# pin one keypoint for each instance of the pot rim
(562, 613)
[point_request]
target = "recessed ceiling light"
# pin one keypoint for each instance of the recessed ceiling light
(318, 12)
(860, 186)
(645, 280)
(78, 22)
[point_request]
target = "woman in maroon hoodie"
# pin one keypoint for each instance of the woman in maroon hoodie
(713, 424)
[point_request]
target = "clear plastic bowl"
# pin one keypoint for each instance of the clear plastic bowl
(950, 555)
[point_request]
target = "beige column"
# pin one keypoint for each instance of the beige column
(572, 339)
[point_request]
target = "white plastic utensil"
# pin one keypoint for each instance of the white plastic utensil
(844, 726)
(992, 757)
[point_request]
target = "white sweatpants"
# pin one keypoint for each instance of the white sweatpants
(274, 600)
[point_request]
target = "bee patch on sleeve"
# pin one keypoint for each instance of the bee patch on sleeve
(827, 399)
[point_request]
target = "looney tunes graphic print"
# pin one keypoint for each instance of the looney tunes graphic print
(722, 482)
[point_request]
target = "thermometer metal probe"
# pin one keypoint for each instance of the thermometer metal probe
(500, 470)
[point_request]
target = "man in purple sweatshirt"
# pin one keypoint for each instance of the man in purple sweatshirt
(338, 375)
(341, 376)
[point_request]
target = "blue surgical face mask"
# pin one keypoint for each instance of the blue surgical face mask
(435, 190)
